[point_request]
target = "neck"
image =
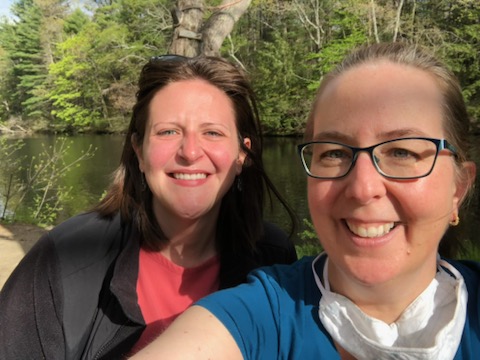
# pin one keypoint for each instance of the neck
(191, 241)
(385, 301)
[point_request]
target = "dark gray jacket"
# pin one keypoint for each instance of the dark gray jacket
(73, 296)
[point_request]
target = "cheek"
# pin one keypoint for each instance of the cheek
(428, 200)
(224, 157)
(155, 157)
(321, 198)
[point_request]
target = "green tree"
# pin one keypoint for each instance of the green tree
(84, 77)
(25, 53)
(75, 98)
(28, 44)
(459, 23)
(98, 63)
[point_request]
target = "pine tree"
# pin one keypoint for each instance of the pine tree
(24, 49)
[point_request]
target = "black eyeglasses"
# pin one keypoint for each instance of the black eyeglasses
(405, 158)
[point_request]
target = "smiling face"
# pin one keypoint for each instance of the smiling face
(378, 230)
(190, 153)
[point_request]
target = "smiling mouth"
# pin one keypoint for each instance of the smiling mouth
(181, 176)
(371, 231)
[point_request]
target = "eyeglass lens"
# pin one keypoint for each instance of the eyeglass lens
(403, 158)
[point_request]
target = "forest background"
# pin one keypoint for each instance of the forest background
(74, 69)
(71, 67)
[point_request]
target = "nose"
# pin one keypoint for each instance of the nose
(190, 148)
(364, 183)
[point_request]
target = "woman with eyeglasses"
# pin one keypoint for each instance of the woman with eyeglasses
(387, 159)
(183, 218)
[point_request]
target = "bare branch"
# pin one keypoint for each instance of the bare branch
(314, 28)
(397, 20)
(374, 20)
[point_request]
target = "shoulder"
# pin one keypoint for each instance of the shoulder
(289, 280)
(469, 269)
(274, 307)
(87, 233)
(88, 239)
(87, 226)
(286, 276)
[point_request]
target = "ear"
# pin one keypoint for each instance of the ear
(138, 151)
(465, 181)
(243, 155)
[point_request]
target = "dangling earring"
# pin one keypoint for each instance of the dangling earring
(144, 182)
(456, 221)
(238, 181)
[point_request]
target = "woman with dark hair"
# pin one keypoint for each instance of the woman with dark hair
(183, 218)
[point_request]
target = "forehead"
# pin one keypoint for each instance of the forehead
(193, 101)
(195, 95)
(380, 98)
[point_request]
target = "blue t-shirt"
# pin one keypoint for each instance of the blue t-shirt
(275, 314)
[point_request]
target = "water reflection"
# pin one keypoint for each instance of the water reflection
(90, 180)
(284, 168)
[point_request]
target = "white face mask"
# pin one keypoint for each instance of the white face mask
(430, 327)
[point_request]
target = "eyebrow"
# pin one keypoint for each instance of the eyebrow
(177, 122)
(386, 135)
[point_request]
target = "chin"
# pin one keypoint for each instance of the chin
(371, 271)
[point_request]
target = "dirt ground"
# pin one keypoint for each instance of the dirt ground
(15, 241)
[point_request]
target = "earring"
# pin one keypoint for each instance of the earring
(456, 221)
(144, 182)
(238, 180)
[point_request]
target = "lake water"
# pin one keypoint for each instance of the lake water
(91, 178)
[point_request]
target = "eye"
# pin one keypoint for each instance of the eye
(166, 132)
(213, 133)
(334, 154)
(402, 154)
(331, 155)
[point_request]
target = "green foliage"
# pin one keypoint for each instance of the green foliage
(309, 234)
(75, 98)
(77, 70)
(348, 31)
(310, 244)
(75, 22)
(472, 252)
(460, 50)
(26, 56)
(277, 69)
(44, 178)
(307, 250)
(10, 186)
(99, 62)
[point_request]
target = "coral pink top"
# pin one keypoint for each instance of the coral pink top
(165, 290)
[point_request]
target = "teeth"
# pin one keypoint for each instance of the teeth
(371, 231)
(189, 176)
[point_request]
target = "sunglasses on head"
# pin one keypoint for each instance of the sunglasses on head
(168, 57)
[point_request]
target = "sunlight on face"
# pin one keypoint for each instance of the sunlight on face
(191, 152)
(377, 230)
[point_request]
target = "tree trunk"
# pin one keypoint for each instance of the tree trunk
(187, 19)
(220, 25)
(190, 38)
